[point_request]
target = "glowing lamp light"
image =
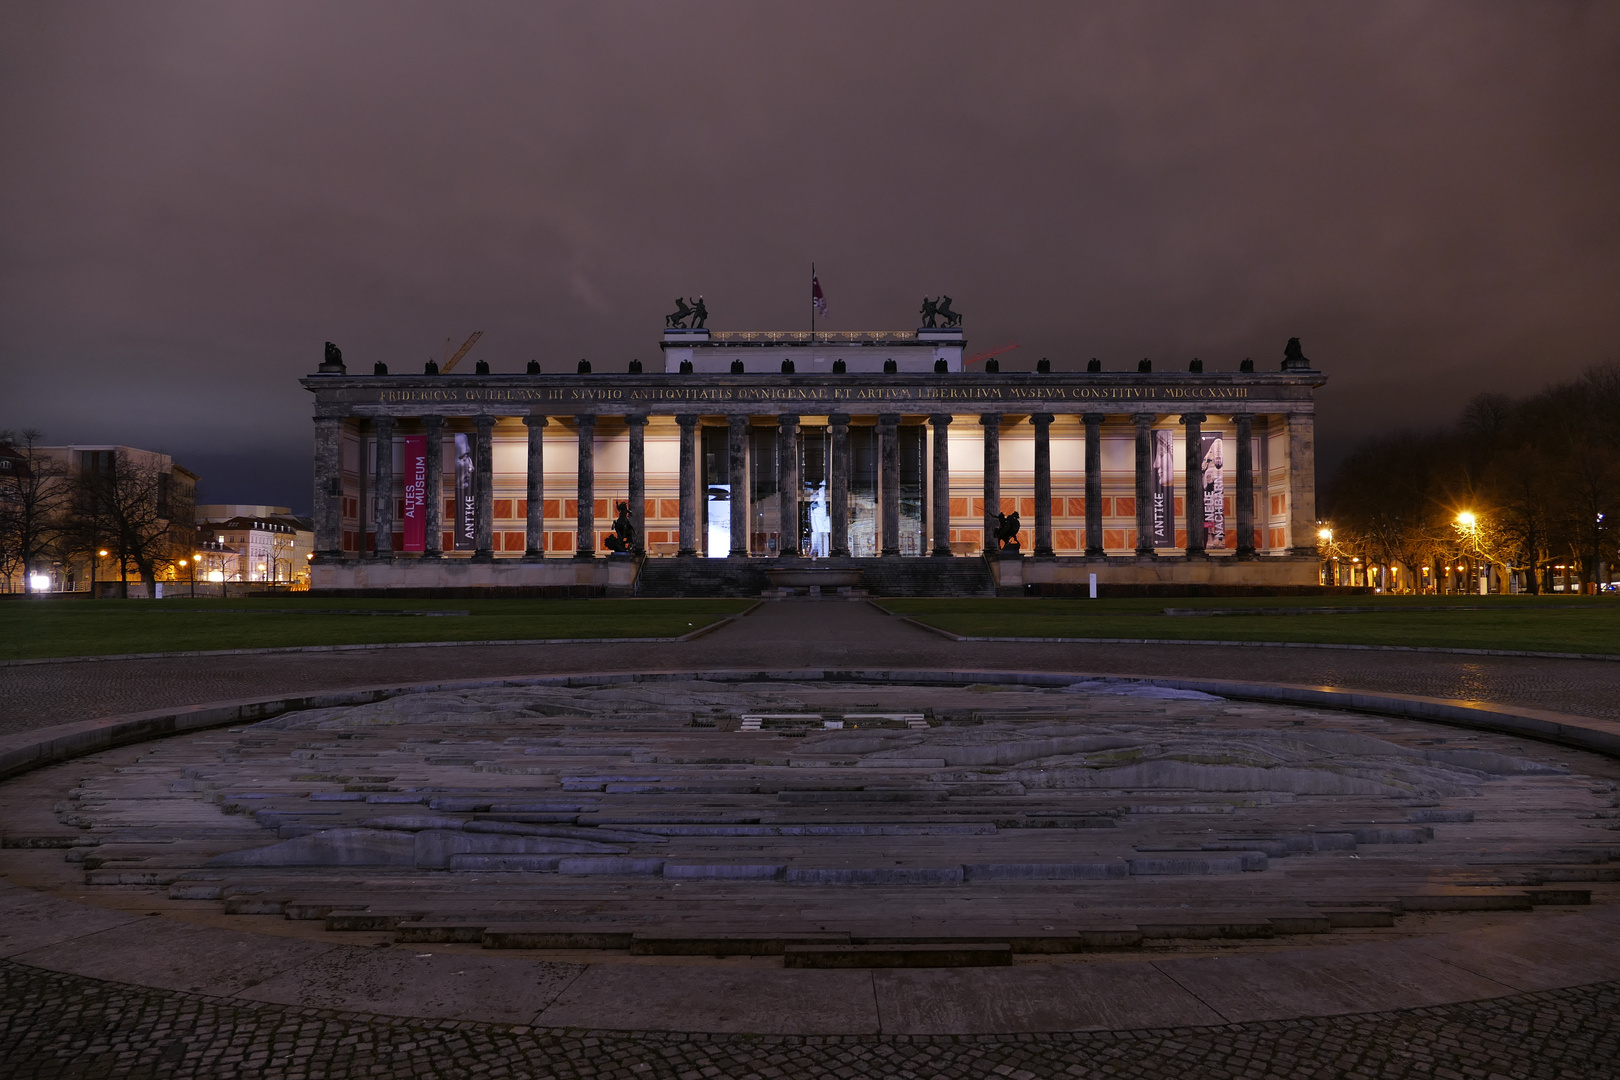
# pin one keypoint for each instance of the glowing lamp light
(102, 553)
(1466, 519)
(39, 582)
(1324, 534)
(216, 575)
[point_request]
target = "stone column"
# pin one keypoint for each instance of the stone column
(838, 496)
(787, 483)
(1245, 484)
(585, 526)
(637, 497)
(328, 488)
(1043, 482)
(1302, 483)
(889, 432)
(688, 482)
(991, 422)
(383, 487)
(1144, 482)
(1194, 466)
(942, 483)
(433, 490)
(484, 491)
(737, 465)
(1094, 515)
(534, 529)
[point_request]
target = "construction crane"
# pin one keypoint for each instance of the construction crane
(998, 350)
(465, 348)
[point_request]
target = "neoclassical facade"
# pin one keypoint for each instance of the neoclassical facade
(837, 445)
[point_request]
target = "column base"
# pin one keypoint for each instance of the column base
(584, 554)
(686, 552)
(482, 557)
(1095, 553)
(1305, 552)
(1245, 553)
(942, 553)
(533, 555)
(1045, 553)
(432, 554)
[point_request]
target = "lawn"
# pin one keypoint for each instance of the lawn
(1533, 623)
(32, 628)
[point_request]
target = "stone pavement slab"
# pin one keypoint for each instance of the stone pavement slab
(1035, 997)
(176, 956)
(30, 920)
(1324, 982)
(736, 997)
(410, 982)
(1538, 957)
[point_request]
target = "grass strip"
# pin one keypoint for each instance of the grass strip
(1520, 623)
(34, 628)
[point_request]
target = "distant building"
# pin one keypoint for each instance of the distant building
(271, 547)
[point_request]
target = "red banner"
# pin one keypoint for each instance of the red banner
(415, 447)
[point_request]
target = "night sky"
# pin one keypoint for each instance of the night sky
(193, 197)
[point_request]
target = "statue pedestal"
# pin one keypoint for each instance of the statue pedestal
(1007, 568)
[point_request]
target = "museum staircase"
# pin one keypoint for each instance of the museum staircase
(903, 576)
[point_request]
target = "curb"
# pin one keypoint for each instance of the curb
(48, 746)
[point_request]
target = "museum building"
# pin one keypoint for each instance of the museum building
(867, 449)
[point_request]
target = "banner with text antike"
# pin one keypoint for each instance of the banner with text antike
(1164, 488)
(466, 527)
(1214, 461)
(415, 449)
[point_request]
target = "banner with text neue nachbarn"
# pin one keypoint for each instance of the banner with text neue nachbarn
(415, 448)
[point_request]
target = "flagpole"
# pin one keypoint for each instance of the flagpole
(812, 303)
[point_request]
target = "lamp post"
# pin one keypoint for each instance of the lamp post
(95, 562)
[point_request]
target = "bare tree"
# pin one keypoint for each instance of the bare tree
(137, 512)
(32, 499)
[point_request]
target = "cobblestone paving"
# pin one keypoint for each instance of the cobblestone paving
(54, 1025)
(800, 635)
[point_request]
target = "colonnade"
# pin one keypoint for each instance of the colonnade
(328, 488)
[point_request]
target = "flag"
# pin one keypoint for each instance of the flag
(817, 301)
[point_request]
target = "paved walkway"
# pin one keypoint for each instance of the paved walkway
(832, 634)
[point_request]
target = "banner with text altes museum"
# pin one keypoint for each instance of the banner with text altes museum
(415, 455)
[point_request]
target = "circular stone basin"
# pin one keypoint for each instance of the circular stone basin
(1101, 815)
(799, 577)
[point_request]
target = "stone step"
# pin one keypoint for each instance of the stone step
(701, 943)
(897, 956)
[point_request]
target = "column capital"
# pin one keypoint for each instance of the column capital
(1194, 418)
(534, 421)
(636, 419)
(940, 419)
(1144, 419)
(384, 423)
(1093, 419)
(889, 419)
(585, 420)
(485, 424)
(787, 419)
(838, 419)
(686, 420)
(1041, 419)
(990, 419)
(738, 423)
(432, 421)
